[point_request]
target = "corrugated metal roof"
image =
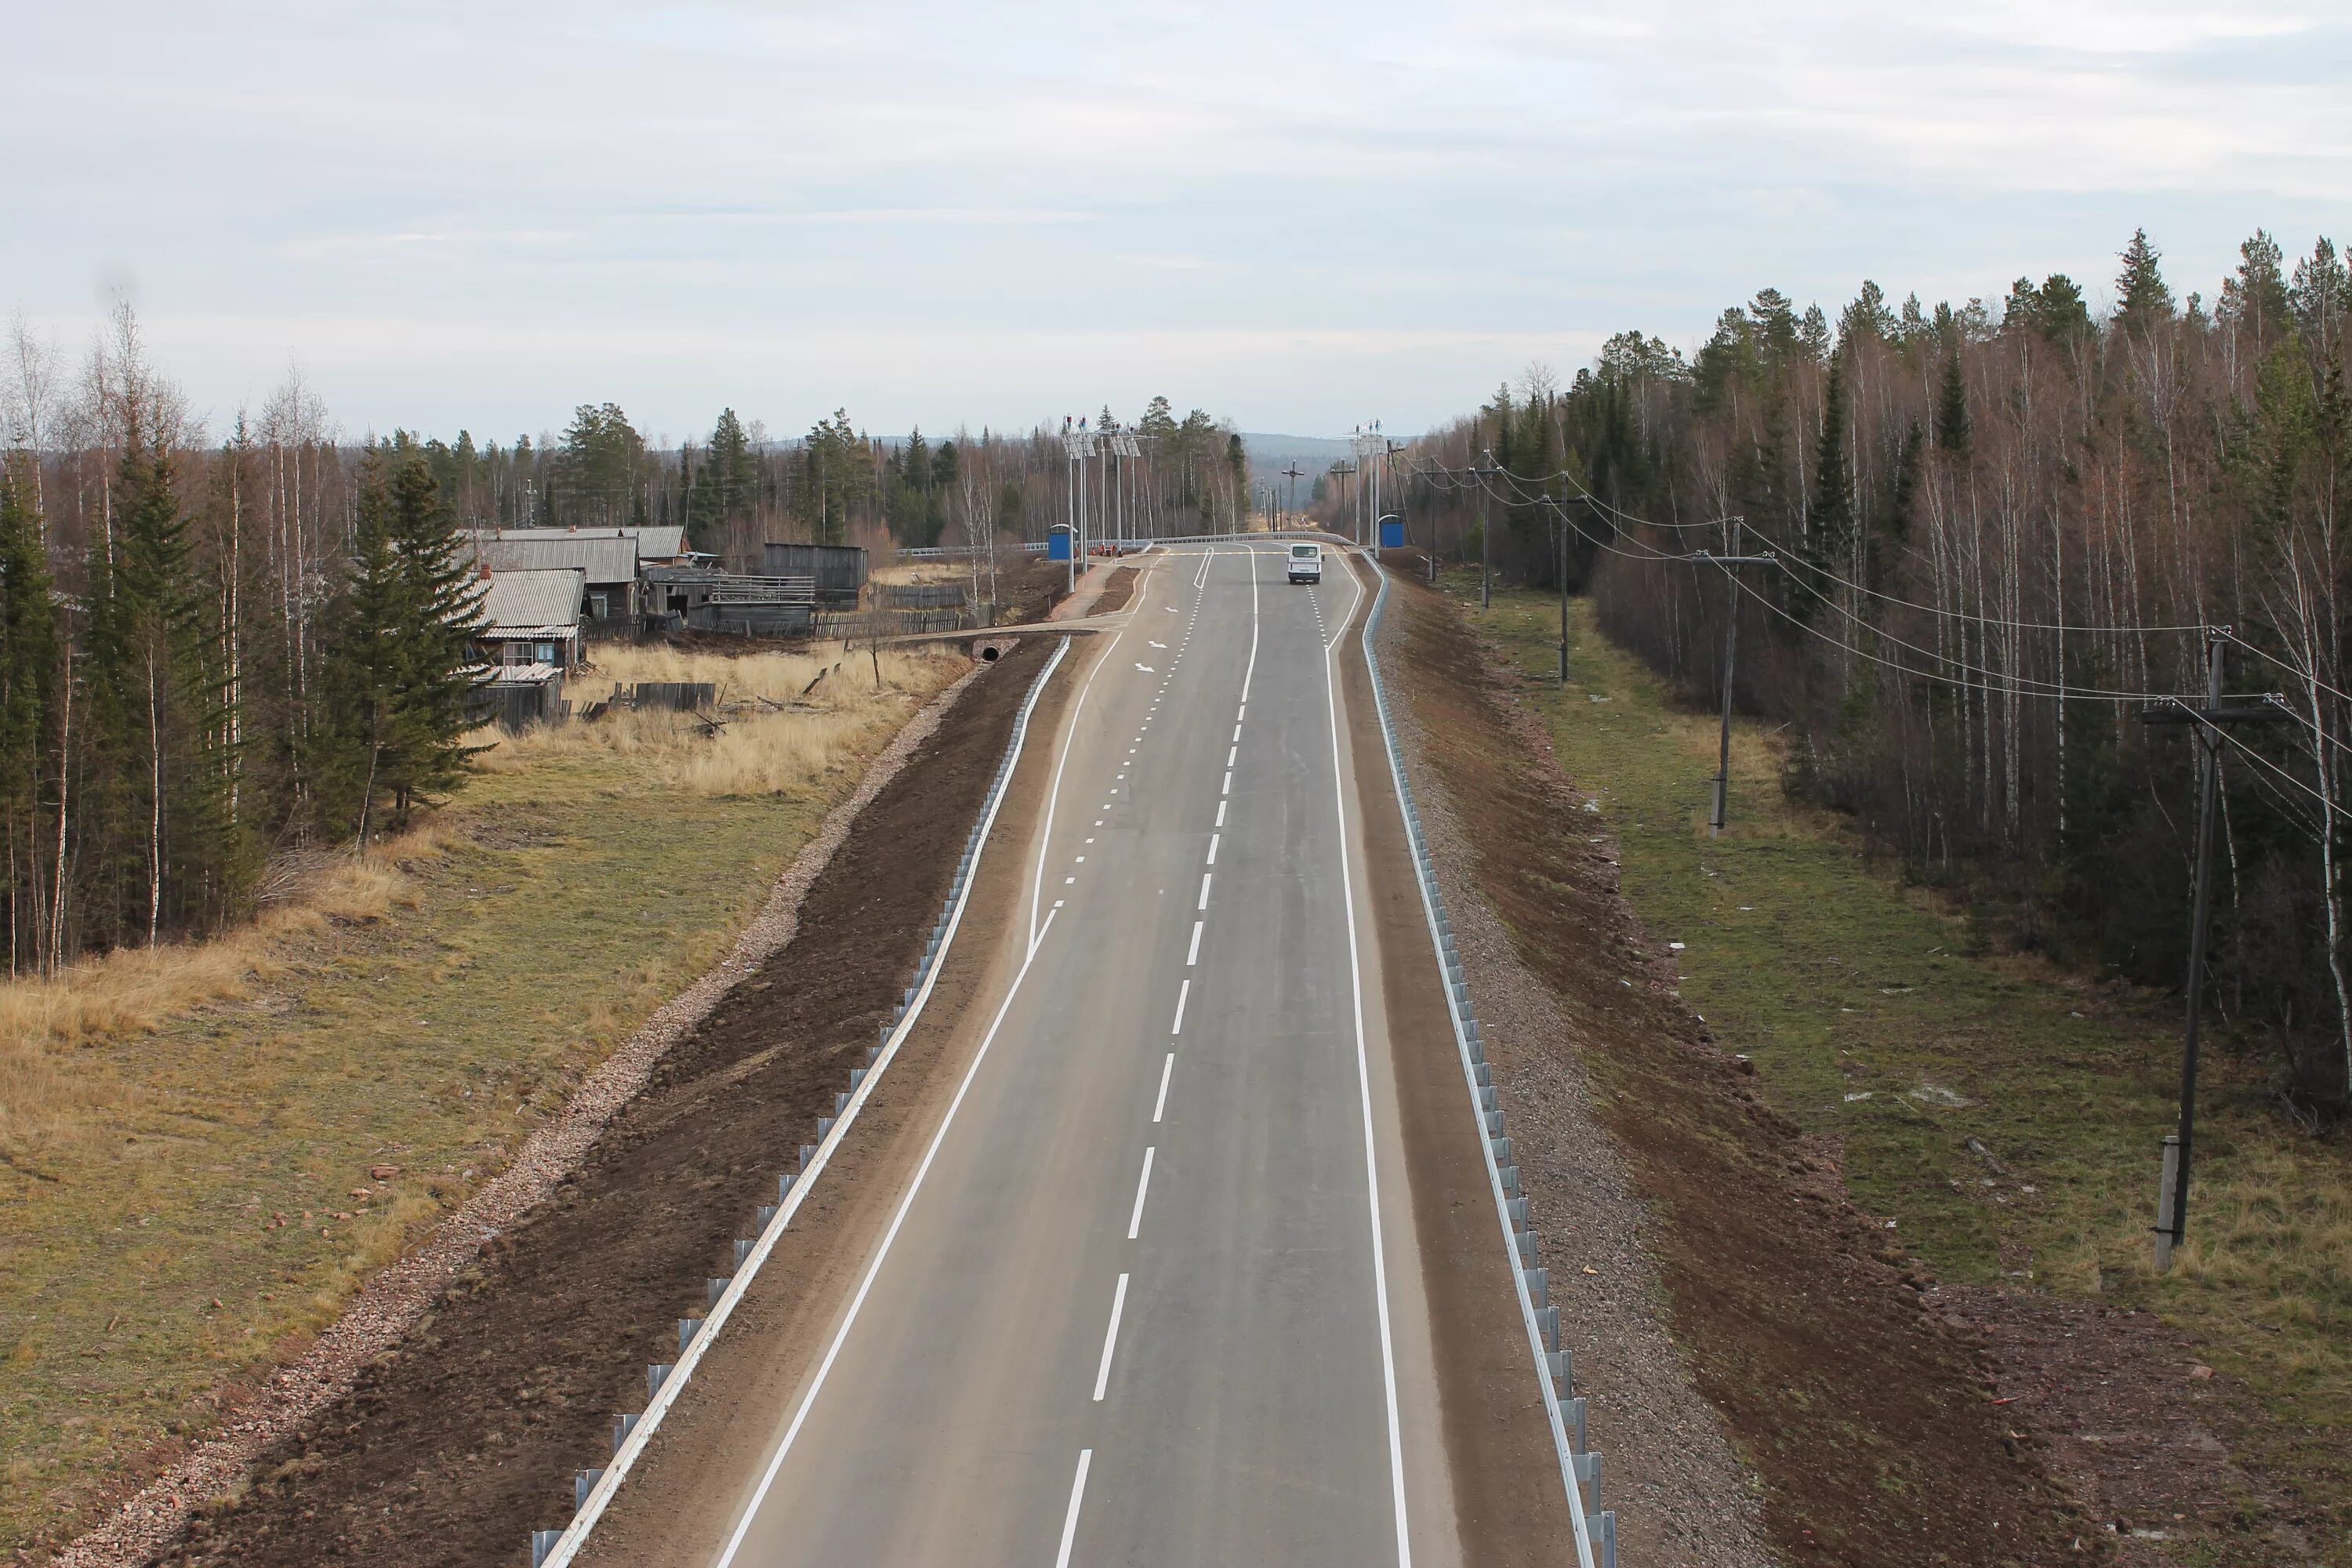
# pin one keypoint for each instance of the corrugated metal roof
(545, 601)
(521, 673)
(606, 557)
(653, 543)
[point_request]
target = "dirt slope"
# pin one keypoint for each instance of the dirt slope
(1867, 1420)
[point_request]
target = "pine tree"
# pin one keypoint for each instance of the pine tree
(727, 486)
(1866, 320)
(2143, 299)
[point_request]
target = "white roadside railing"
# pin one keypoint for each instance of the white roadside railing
(594, 1489)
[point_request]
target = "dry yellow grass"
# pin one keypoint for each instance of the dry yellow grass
(775, 731)
(160, 1111)
(784, 742)
(48, 1099)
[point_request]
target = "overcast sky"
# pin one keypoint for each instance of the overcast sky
(1302, 216)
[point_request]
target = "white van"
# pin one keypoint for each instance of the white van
(1307, 564)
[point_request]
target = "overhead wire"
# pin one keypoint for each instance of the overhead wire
(1627, 519)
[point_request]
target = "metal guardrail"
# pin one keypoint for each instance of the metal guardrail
(1596, 1532)
(594, 1488)
(957, 552)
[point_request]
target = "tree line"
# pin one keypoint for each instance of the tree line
(194, 674)
(2003, 530)
(738, 488)
(221, 650)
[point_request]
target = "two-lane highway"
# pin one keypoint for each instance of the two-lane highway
(1151, 1296)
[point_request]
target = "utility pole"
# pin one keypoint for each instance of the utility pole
(1486, 537)
(1292, 473)
(2172, 1185)
(1731, 559)
(1559, 532)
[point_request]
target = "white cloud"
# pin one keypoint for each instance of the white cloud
(1283, 211)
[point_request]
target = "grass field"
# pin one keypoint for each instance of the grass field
(2006, 1116)
(186, 1138)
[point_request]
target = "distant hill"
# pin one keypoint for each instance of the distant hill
(1270, 455)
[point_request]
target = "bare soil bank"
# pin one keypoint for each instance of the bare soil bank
(1867, 1420)
(449, 1449)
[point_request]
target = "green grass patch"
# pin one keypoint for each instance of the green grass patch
(143, 1267)
(2004, 1115)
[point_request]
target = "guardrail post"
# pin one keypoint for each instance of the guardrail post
(542, 1541)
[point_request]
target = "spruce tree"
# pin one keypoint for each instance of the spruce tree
(401, 668)
(1952, 429)
(1829, 541)
(28, 677)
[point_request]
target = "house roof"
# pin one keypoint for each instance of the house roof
(520, 674)
(606, 556)
(546, 602)
(653, 543)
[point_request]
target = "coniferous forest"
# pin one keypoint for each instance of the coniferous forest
(2003, 530)
(226, 643)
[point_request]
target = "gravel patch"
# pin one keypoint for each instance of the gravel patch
(390, 1304)
(1682, 1495)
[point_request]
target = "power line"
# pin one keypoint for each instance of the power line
(1632, 520)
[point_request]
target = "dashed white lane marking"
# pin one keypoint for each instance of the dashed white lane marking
(1231, 753)
(1183, 993)
(1221, 813)
(1193, 956)
(1237, 732)
(1110, 1339)
(1077, 1494)
(1204, 892)
(1228, 788)
(1142, 1186)
(1166, 1068)
(1213, 838)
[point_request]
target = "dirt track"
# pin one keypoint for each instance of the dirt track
(450, 1448)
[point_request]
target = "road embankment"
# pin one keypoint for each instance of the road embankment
(456, 1441)
(1765, 1380)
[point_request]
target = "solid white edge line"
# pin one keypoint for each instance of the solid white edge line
(1142, 1186)
(1110, 1339)
(1364, 1093)
(1070, 1520)
(1183, 991)
(881, 1255)
(1166, 1069)
(584, 1522)
(1567, 1457)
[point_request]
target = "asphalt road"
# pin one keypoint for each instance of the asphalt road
(1153, 1296)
